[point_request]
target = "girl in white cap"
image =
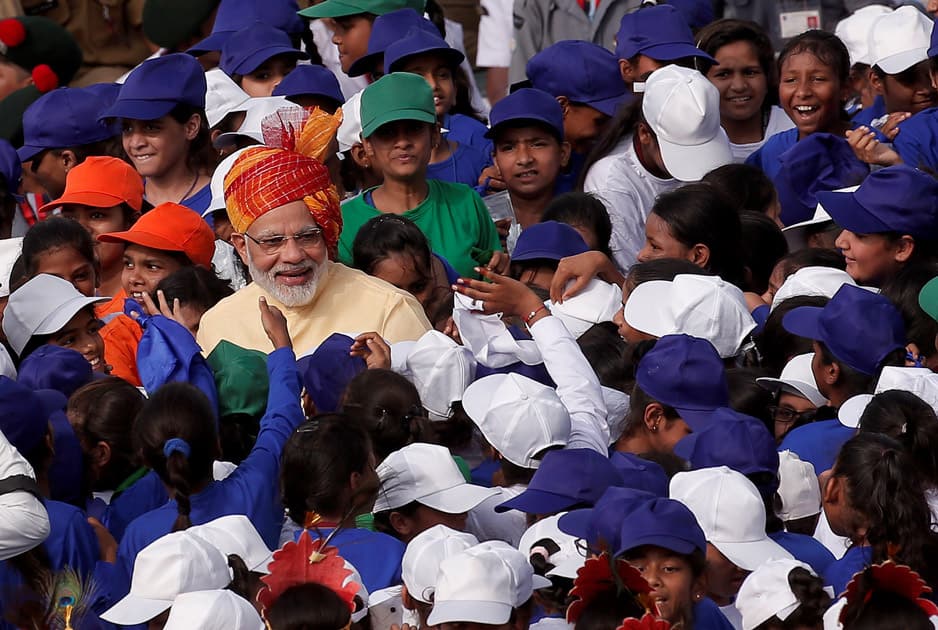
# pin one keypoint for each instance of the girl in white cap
(782, 595)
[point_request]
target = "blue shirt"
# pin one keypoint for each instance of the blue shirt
(253, 489)
(145, 494)
(867, 115)
(199, 201)
(467, 130)
(376, 556)
(766, 157)
(463, 166)
(818, 442)
(568, 177)
(917, 140)
(707, 616)
(806, 549)
(840, 572)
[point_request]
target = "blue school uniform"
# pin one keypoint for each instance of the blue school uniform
(806, 549)
(840, 572)
(818, 442)
(376, 556)
(766, 157)
(463, 166)
(200, 201)
(252, 489)
(145, 494)
(566, 181)
(917, 140)
(467, 130)
(867, 115)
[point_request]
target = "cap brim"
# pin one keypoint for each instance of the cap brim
(539, 581)
(61, 316)
(689, 163)
(493, 613)
(804, 321)
(850, 215)
(533, 501)
(749, 556)
(132, 611)
(139, 237)
(671, 543)
(646, 310)
(213, 43)
(458, 499)
(28, 152)
(852, 410)
(254, 61)
(398, 114)
(576, 523)
(696, 419)
(674, 51)
(451, 55)
(900, 62)
(799, 388)
(364, 65)
(138, 109)
(88, 198)
(609, 106)
(529, 116)
(332, 9)
(567, 568)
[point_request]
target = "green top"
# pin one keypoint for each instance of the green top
(342, 8)
(452, 217)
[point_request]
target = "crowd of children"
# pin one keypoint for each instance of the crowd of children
(295, 336)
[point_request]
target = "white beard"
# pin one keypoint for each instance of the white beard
(290, 296)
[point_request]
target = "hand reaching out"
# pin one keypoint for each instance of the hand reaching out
(275, 325)
(371, 347)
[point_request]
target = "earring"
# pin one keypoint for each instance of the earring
(655, 428)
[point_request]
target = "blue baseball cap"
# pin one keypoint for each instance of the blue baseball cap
(685, 373)
(55, 367)
(527, 105)
(641, 474)
(419, 42)
(250, 47)
(107, 92)
(310, 80)
(659, 32)
(385, 30)
(565, 478)
(65, 117)
(697, 13)
(583, 72)
(327, 371)
(933, 47)
(664, 523)
(158, 85)
(24, 413)
(550, 240)
(859, 327)
(893, 199)
(601, 525)
(822, 162)
(11, 170)
(232, 15)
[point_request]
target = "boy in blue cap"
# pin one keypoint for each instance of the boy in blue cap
(311, 86)
(258, 57)
(539, 250)
(530, 151)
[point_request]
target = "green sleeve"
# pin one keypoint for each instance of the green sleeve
(355, 213)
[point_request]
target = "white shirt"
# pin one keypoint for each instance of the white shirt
(629, 191)
(778, 122)
(496, 33)
(823, 533)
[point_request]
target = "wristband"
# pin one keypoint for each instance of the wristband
(527, 319)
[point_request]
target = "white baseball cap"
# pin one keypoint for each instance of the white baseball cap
(919, 381)
(797, 378)
(222, 97)
(566, 560)
(900, 39)
(701, 306)
(42, 306)
(350, 131)
(427, 474)
(766, 593)
(217, 186)
(597, 302)
(10, 249)
(731, 513)
(798, 488)
(213, 610)
(519, 417)
(854, 31)
(683, 109)
(441, 370)
(174, 564)
(234, 534)
(257, 108)
(815, 281)
(425, 552)
(483, 584)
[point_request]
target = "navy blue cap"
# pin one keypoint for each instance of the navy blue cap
(664, 523)
(933, 48)
(385, 30)
(66, 117)
(23, 416)
(246, 50)
(327, 371)
(697, 13)
(601, 525)
(158, 85)
(55, 367)
(565, 478)
(530, 105)
(107, 92)
(859, 327)
(232, 15)
(659, 32)
(419, 42)
(820, 162)
(893, 199)
(641, 474)
(685, 373)
(583, 72)
(310, 80)
(551, 240)
(11, 170)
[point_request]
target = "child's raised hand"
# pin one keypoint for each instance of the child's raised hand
(870, 150)
(499, 262)
(581, 269)
(500, 295)
(188, 319)
(491, 178)
(890, 128)
(275, 325)
(371, 347)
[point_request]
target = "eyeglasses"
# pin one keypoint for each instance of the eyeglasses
(308, 238)
(787, 415)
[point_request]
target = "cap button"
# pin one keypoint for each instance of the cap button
(524, 396)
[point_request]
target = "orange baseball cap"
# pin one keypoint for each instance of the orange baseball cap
(172, 228)
(101, 182)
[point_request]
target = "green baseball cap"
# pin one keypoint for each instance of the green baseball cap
(396, 96)
(241, 379)
(928, 298)
(342, 8)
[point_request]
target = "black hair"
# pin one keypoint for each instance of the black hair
(317, 462)
(201, 156)
(608, 355)
(389, 408)
(698, 213)
(877, 608)
(884, 488)
(308, 606)
(625, 122)
(582, 209)
(853, 381)
(720, 33)
(902, 290)
(748, 397)
(747, 187)
(776, 345)
(557, 594)
(763, 246)
(910, 421)
(384, 235)
(925, 250)
(635, 418)
(178, 411)
(813, 601)
(55, 233)
(607, 610)
(244, 582)
(462, 104)
(193, 285)
(812, 257)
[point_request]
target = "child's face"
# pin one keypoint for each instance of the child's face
(350, 35)
(263, 79)
(870, 257)
(68, 264)
(144, 268)
(82, 333)
(811, 94)
(12, 78)
(50, 171)
(99, 221)
(403, 271)
(529, 160)
(723, 577)
(439, 75)
(157, 146)
(909, 91)
(741, 81)
(789, 404)
(659, 243)
(401, 149)
(671, 579)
